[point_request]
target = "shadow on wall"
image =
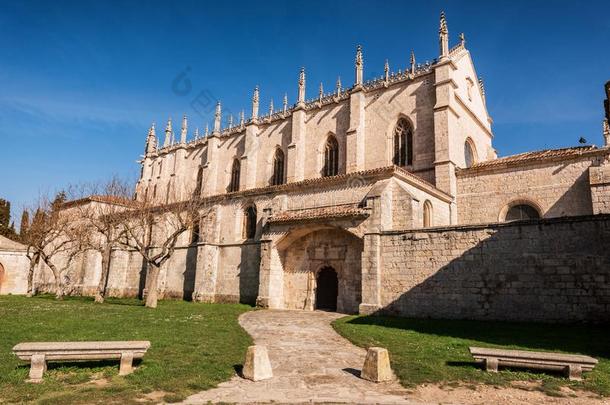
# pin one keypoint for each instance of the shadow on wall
(551, 270)
(249, 273)
(188, 283)
(576, 200)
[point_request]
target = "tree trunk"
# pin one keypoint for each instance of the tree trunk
(33, 263)
(152, 280)
(59, 294)
(100, 295)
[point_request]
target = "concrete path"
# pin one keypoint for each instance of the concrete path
(311, 364)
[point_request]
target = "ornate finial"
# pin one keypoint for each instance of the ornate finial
(207, 130)
(271, 107)
(338, 86)
(606, 132)
(412, 63)
(217, 117)
(230, 120)
(255, 98)
(285, 103)
(443, 34)
(321, 92)
(168, 133)
(607, 100)
(196, 133)
(151, 140)
(301, 98)
(242, 118)
(386, 71)
(359, 65)
(184, 129)
(462, 39)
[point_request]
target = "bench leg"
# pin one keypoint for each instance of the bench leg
(491, 365)
(126, 363)
(574, 372)
(38, 365)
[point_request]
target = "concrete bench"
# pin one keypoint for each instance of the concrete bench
(38, 353)
(572, 364)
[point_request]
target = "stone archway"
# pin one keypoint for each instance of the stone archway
(327, 289)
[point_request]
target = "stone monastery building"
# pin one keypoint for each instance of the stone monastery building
(383, 196)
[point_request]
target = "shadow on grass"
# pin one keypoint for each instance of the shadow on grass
(572, 338)
(52, 365)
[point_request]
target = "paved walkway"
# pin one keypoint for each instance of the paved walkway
(311, 364)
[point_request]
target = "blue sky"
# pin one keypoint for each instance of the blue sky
(82, 81)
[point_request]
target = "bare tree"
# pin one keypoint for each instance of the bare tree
(101, 213)
(53, 238)
(153, 230)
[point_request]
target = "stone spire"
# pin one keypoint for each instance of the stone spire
(168, 133)
(301, 96)
(606, 132)
(338, 86)
(607, 100)
(255, 100)
(285, 103)
(359, 66)
(207, 130)
(217, 118)
(242, 118)
(386, 71)
(321, 92)
(462, 39)
(184, 129)
(230, 120)
(271, 107)
(412, 61)
(151, 140)
(443, 34)
(197, 133)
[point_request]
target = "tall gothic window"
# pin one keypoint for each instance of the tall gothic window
(403, 143)
(278, 168)
(235, 171)
(469, 153)
(427, 214)
(199, 183)
(331, 157)
(249, 229)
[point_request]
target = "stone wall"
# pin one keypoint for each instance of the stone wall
(543, 270)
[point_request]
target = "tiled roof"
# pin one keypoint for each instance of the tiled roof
(10, 245)
(108, 199)
(534, 156)
(337, 211)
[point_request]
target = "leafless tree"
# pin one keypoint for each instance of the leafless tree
(53, 238)
(101, 214)
(153, 230)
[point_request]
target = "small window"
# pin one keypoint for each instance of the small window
(331, 157)
(469, 153)
(427, 214)
(278, 168)
(235, 173)
(522, 212)
(249, 230)
(403, 143)
(469, 86)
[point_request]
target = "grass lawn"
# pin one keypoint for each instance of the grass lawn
(436, 351)
(194, 346)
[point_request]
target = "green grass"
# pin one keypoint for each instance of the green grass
(193, 347)
(436, 351)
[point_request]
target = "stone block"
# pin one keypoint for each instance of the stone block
(377, 365)
(257, 365)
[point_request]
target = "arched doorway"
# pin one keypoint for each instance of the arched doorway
(327, 289)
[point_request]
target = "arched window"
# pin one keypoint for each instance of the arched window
(427, 214)
(235, 170)
(198, 183)
(520, 212)
(249, 229)
(470, 155)
(403, 143)
(331, 157)
(278, 168)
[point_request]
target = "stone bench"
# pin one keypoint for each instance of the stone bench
(572, 364)
(38, 353)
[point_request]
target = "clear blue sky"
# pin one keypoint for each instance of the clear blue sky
(80, 82)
